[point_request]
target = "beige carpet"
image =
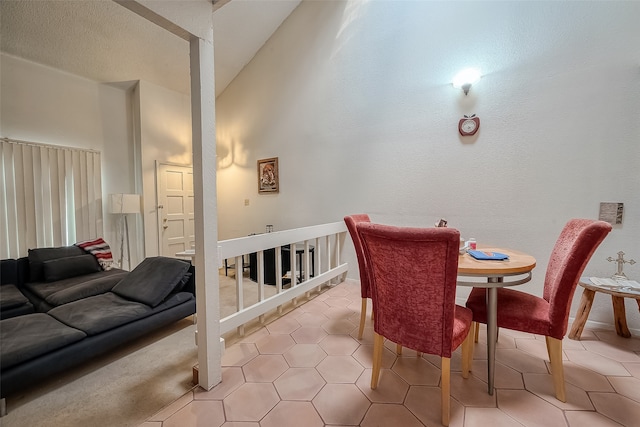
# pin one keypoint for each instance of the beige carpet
(127, 386)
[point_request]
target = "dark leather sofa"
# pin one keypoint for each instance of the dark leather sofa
(69, 318)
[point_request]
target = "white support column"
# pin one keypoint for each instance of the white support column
(206, 216)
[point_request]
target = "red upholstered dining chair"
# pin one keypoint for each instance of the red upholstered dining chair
(548, 315)
(412, 276)
(351, 221)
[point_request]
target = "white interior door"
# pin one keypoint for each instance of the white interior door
(175, 208)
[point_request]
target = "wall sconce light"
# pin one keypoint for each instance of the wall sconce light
(465, 78)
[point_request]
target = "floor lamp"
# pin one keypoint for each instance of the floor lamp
(123, 205)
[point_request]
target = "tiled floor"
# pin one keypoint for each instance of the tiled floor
(308, 369)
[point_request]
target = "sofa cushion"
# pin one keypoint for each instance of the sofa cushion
(38, 256)
(71, 266)
(153, 280)
(11, 297)
(44, 290)
(99, 313)
(8, 271)
(89, 288)
(32, 335)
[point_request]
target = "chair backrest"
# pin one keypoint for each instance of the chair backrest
(351, 221)
(413, 273)
(576, 244)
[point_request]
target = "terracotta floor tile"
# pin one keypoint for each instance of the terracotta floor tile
(314, 307)
(526, 408)
(595, 362)
(339, 345)
(308, 368)
(299, 384)
(275, 344)
(425, 403)
(504, 377)
(309, 335)
(627, 386)
(312, 319)
(484, 417)
(521, 361)
(542, 386)
(239, 354)
(240, 424)
(471, 392)
(337, 301)
(390, 415)
(535, 348)
(364, 355)
(341, 312)
(617, 341)
(589, 418)
(232, 378)
(339, 326)
(367, 334)
(284, 325)
(265, 368)
(255, 336)
(619, 408)
(341, 404)
(569, 344)
(633, 368)
(305, 355)
(250, 402)
(606, 349)
(340, 369)
(584, 378)
(292, 414)
(417, 371)
(391, 388)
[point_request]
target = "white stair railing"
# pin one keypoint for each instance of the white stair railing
(317, 246)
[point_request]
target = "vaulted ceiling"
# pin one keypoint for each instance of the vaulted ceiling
(105, 42)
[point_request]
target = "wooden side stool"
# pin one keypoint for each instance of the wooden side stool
(617, 298)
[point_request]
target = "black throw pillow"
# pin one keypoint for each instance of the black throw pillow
(153, 280)
(38, 256)
(72, 266)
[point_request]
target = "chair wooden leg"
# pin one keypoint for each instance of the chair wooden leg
(378, 346)
(398, 349)
(554, 348)
(467, 354)
(363, 317)
(476, 330)
(446, 390)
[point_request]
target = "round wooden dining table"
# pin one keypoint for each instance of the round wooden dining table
(513, 271)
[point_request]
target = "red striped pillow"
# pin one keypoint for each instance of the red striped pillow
(99, 249)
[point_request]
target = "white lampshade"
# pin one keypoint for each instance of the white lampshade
(124, 203)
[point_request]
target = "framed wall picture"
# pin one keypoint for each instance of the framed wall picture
(268, 180)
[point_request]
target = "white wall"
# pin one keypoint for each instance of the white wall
(355, 99)
(164, 136)
(41, 104)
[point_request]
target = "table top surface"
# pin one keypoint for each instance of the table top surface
(586, 283)
(518, 263)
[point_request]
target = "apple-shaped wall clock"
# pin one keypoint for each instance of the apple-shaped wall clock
(469, 125)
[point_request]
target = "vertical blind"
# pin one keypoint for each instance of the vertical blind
(51, 196)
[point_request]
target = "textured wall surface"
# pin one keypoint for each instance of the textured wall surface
(356, 101)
